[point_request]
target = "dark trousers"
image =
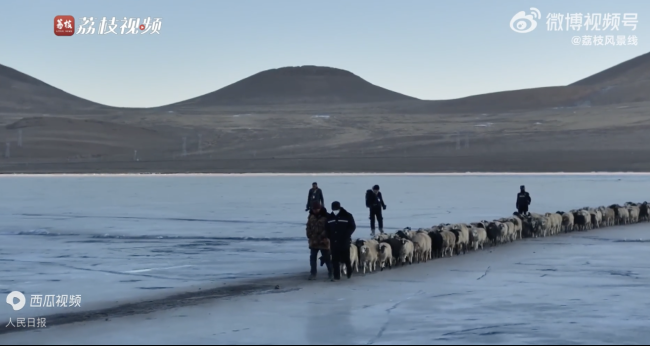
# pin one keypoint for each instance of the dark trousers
(376, 213)
(326, 258)
(341, 255)
(522, 209)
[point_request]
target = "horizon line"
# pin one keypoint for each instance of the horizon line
(108, 175)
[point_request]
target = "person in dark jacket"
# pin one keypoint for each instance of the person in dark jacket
(340, 227)
(318, 240)
(315, 195)
(375, 202)
(523, 201)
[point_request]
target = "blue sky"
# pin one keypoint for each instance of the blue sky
(426, 49)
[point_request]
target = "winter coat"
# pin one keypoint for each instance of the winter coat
(340, 228)
(315, 196)
(317, 230)
(374, 201)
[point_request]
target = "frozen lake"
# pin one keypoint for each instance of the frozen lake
(117, 239)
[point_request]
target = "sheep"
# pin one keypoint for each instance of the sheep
(385, 256)
(462, 242)
(507, 231)
(527, 229)
(354, 260)
(407, 251)
(543, 224)
(555, 223)
(383, 237)
(405, 233)
(518, 226)
(449, 243)
(567, 221)
(609, 216)
(622, 215)
(369, 255)
(395, 245)
(472, 239)
(480, 237)
(421, 246)
(634, 211)
(644, 212)
(596, 217)
(582, 219)
(494, 231)
(437, 244)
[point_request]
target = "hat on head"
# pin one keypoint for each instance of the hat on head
(314, 183)
(336, 205)
(376, 187)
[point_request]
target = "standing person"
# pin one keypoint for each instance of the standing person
(523, 200)
(340, 227)
(318, 240)
(315, 195)
(375, 202)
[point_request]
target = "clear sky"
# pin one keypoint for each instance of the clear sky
(423, 48)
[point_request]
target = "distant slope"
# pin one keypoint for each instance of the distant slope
(298, 85)
(325, 86)
(525, 99)
(629, 72)
(22, 93)
(624, 83)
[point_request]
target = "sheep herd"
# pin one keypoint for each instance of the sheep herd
(445, 240)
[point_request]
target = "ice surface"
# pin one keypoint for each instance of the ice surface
(119, 239)
(582, 288)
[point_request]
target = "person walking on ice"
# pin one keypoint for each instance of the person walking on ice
(315, 195)
(375, 202)
(523, 200)
(340, 227)
(318, 240)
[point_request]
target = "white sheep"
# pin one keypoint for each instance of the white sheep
(567, 221)
(609, 216)
(385, 256)
(449, 243)
(519, 226)
(480, 237)
(634, 211)
(369, 255)
(512, 231)
(555, 223)
(407, 252)
(421, 246)
(354, 260)
(463, 237)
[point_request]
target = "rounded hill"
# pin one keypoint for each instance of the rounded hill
(303, 84)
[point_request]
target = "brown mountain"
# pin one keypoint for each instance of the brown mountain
(314, 85)
(623, 83)
(24, 94)
(297, 85)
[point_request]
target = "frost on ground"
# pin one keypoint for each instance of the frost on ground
(122, 239)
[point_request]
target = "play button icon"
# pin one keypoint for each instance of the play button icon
(11, 300)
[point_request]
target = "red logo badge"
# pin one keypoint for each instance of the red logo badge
(64, 25)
